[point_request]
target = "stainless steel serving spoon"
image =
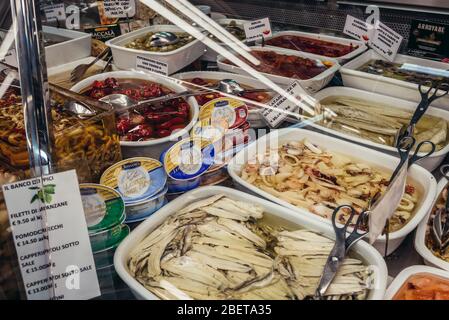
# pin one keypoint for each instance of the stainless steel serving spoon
(163, 38)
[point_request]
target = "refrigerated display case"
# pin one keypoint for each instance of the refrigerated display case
(214, 142)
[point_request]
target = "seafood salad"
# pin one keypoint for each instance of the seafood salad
(309, 177)
(423, 286)
(380, 123)
(440, 246)
(219, 248)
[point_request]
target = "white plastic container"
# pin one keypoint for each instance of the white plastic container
(362, 250)
(405, 274)
(311, 85)
(125, 58)
(420, 237)
(421, 178)
(361, 45)
(151, 148)
(78, 47)
(430, 163)
(255, 117)
(389, 86)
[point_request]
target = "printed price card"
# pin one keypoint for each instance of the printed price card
(151, 65)
(254, 30)
(51, 238)
(55, 12)
(386, 41)
(358, 29)
(119, 8)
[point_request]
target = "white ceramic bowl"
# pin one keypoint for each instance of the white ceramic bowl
(362, 250)
(125, 58)
(421, 177)
(405, 274)
(420, 237)
(389, 86)
(151, 148)
(430, 163)
(311, 85)
(255, 117)
(344, 41)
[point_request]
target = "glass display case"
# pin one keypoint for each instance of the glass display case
(221, 149)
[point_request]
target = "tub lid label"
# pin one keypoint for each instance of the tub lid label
(135, 179)
(103, 207)
(226, 113)
(151, 65)
(51, 238)
(189, 158)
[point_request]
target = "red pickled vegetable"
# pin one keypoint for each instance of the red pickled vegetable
(170, 123)
(164, 133)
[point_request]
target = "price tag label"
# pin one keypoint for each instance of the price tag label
(254, 30)
(358, 29)
(386, 41)
(119, 8)
(55, 12)
(51, 238)
(151, 65)
(280, 105)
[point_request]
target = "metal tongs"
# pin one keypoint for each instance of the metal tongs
(440, 225)
(427, 98)
(343, 242)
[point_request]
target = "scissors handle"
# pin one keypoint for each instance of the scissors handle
(347, 223)
(416, 157)
(357, 233)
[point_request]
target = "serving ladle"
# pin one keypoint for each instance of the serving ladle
(163, 38)
(122, 102)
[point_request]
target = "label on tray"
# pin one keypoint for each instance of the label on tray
(386, 41)
(51, 238)
(151, 65)
(55, 12)
(254, 30)
(358, 29)
(274, 117)
(119, 8)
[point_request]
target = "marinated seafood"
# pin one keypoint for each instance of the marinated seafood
(415, 74)
(144, 43)
(308, 177)
(233, 28)
(151, 122)
(218, 248)
(289, 66)
(424, 286)
(315, 46)
(380, 123)
(433, 244)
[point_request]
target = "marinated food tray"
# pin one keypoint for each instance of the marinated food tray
(215, 216)
(283, 66)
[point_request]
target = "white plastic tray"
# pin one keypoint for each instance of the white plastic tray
(362, 47)
(254, 117)
(151, 148)
(362, 250)
(420, 237)
(407, 273)
(421, 177)
(430, 163)
(75, 49)
(311, 85)
(125, 58)
(389, 86)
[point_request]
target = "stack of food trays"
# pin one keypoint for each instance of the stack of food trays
(141, 182)
(372, 120)
(155, 130)
(126, 48)
(373, 73)
(207, 79)
(105, 215)
(326, 174)
(283, 66)
(198, 271)
(340, 49)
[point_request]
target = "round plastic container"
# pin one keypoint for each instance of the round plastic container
(136, 179)
(145, 208)
(181, 186)
(105, 257)
(103, 207)
(107, 238)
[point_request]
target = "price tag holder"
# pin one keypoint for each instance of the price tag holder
(119, 8)
(358, 29)
(254, 30)
(272, 116)
(151, 65)
(55, 12)
(386, 41)
(47, 220)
